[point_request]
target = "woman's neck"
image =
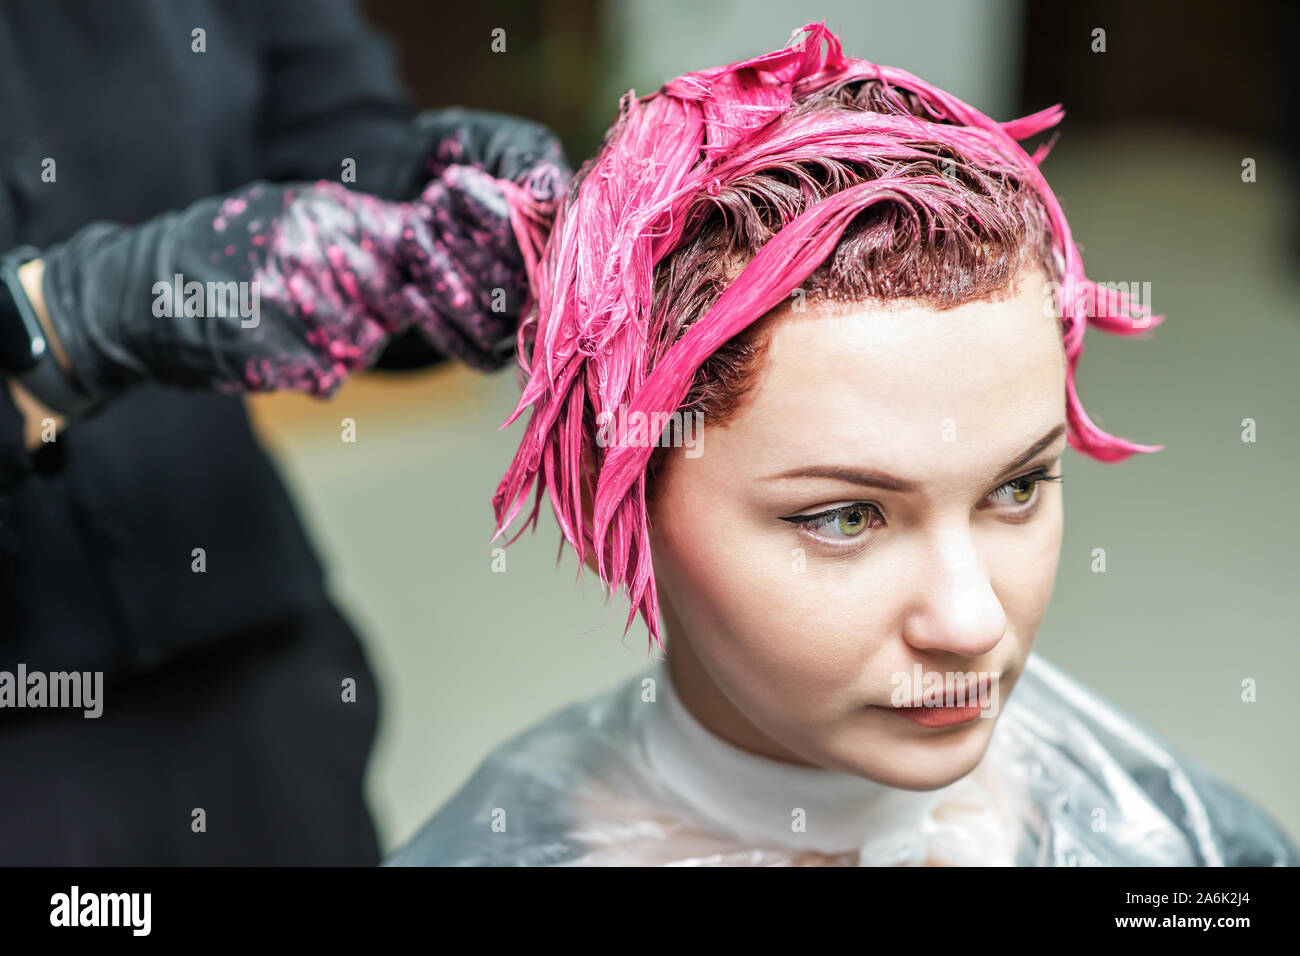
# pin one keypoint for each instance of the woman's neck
(768, 800)
(714, 711)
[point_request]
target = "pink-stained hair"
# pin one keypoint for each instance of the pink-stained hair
(596, 336)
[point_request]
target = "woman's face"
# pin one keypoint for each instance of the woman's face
(799, 639)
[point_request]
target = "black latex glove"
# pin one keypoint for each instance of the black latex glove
(321, 276)
(507, 147)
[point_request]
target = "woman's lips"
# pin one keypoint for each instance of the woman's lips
(958, 712)
(937, 716)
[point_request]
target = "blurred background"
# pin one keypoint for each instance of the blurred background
(1201, 539)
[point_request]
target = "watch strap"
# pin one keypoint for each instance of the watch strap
(46, 380)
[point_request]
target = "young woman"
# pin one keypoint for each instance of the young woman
(802, 376)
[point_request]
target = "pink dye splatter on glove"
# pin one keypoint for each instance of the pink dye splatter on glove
(339, 272)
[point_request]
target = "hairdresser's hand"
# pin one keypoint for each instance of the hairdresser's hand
(285, 287)
(504, 146)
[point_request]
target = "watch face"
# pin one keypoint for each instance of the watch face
(21, 346)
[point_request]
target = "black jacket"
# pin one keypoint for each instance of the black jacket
(97, 529)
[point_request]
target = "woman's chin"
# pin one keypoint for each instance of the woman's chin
(927, 760)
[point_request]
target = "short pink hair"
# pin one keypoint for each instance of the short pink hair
(586, 344)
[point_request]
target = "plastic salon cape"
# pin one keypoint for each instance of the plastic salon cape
(630, 778)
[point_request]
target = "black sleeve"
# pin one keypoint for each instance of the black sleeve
(14, 464)
(332, 96)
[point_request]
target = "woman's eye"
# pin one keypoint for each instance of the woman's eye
(850, 522)
(838, 524)
(1021, 492)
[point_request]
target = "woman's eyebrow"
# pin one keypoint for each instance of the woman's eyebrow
(878, 479)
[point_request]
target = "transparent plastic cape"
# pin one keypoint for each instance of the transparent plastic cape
(1088, 786)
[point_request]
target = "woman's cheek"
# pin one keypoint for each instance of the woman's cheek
(1026, 576)
(744, 597)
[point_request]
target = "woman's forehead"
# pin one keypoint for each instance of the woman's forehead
(912, 358)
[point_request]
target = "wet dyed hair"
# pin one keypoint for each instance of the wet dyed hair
(713, 201)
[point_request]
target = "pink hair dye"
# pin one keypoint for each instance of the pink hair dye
(586, 346)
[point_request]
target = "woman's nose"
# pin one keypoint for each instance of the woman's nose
(955, 608)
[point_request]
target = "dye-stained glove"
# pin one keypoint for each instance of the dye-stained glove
(506, 147)
(277, 286)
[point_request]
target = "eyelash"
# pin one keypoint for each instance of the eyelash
(804, 521)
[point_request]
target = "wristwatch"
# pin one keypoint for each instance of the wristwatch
(25, 353)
